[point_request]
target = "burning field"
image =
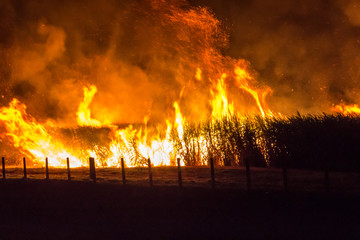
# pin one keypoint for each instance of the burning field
(274, 85)
(163, 80)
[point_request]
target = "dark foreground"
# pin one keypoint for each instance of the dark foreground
(38, 209)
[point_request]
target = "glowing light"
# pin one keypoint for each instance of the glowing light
(32, 138)
(242, 77)
(83, 113)
(219, 101)
(346, 109)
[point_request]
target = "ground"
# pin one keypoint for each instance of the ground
(80, 209)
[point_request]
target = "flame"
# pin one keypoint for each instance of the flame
(83, 113)
(135, 146)
(346, 109)
(219, 101)
(121, 146)
(242, 77)
(155, 148)
(179, 120)
(198, 74)
(201, 33)
(32, 138)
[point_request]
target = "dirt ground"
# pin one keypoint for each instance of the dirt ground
(262, 179)
(81, 209)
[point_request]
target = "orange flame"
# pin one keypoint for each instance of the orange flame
(83, 113)
(346, 109)
(159, 149)
(32, 138)
(242, 77)
(134, 145)
(219, 101)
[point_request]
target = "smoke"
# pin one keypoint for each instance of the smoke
(306, 51)
(139, 54)
(351, 9)
(142, 54)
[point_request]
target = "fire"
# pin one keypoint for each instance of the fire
(121, 146)
(179, 120)
(83, 113)
(346, 109)
(242, 77)
(156, 148)
(196, 57)
(136, 146)
(198, 74)
(32, 138)
(219, 101)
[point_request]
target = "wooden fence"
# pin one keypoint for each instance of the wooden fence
(247, 178)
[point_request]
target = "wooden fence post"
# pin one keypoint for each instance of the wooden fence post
(123, 171)
(150, 173)
(46, 168)
(24, 163)
(3, 167)
(248, 174)
(68, 168)
(212, 172)
(179, 172)
(92, 168)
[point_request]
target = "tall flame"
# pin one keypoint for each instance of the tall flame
(137, 145)
(83, 113)
(219, 102)
(32, 138)
(242, 77)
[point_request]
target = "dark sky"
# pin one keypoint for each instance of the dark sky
(140, 55)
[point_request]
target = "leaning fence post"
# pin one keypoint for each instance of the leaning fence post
(68, 168)
(150, 173)
(123, 170)
(46, 168)
(248, 176)
(212, 172)
(179, 173)
(92, 168)
(3, 167)
(24, 162)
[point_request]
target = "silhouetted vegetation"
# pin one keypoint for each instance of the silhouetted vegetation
(300, 141)
(313, 141)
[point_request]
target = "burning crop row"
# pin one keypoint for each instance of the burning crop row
(301, 141)
(162, 143)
